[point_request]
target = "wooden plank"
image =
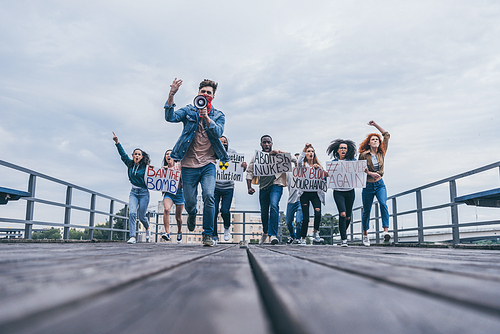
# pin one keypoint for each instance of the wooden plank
(479, 291)
(213, 294)
(40, 277)
(326, 299)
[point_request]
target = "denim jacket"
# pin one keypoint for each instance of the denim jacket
(190, 117)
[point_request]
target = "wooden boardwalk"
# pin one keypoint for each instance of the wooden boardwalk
(169, 288)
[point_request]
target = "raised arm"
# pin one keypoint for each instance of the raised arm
(174, 87)
(379, 128)
(124, 156)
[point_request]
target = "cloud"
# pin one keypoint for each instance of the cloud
(311, 71)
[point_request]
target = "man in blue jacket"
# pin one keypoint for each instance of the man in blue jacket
(197, 149)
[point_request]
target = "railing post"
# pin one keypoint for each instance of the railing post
(351, 225)
(125, 223)
(156, 234)
(30, 207)
(454, 213)
(92, 216)
(67, 212)
(244, 225)
(111, 209)
(280, 227)
(395, 219)
(331, 227)
(420, 217)
(377, 223)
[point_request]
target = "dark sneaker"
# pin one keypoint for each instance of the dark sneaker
(165, 236)
(207, 240)
(274, 240)
(191, 223)
(289, 241)
(179, 237)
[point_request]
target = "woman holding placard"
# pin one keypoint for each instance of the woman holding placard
(170, 199)
(343, 150)
(308, 158)
(139, 194)
(373, 150)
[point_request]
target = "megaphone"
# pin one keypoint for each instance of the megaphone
(200, 102)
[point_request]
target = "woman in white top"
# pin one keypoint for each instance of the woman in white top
(170, 199)
(308, 158)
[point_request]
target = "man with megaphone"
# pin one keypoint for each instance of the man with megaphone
(197, 149)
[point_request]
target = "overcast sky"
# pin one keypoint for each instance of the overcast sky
(302, 71)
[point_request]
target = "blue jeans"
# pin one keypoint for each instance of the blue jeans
(139, 197)
(374, 189)
(224, 197)
(269, 199)
(206, 177)
(291, 210)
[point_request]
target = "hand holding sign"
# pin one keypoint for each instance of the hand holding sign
(267, 164)
(232, 170)
(162, 179)
(346, 174)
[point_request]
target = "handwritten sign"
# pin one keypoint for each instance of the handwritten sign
(266, 164)
(232, 170)
(346, 174)
(162, 179)
(308, 179)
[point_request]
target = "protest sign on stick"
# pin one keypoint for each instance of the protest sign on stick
(162, 179)
(346, 174)
(266, 164)
(232, 170)
(308, 179)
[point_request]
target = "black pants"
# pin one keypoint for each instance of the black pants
(344, 201)
(307, 197)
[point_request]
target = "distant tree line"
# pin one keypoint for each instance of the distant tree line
(74, 234)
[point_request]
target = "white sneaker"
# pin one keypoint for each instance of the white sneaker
(215, 242)
(227, 234)
(131, 240)
(148, 235)
(316, 237)
(274, 240)
(344, 243)
(387, 237)
(302, 242)
(263, 238)
(366, 241)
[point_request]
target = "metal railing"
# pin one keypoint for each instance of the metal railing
(420, 209)
(244, 232)
(67, 205)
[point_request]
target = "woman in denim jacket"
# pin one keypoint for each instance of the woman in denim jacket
(344, 150)
(139, 194)
(373, 150)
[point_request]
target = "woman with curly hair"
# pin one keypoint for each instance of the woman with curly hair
(308, 158)
(171, 199)
(343, 150)
(373, 150)
(139, 194)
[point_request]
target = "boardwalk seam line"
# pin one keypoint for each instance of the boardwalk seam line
(279, 315)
